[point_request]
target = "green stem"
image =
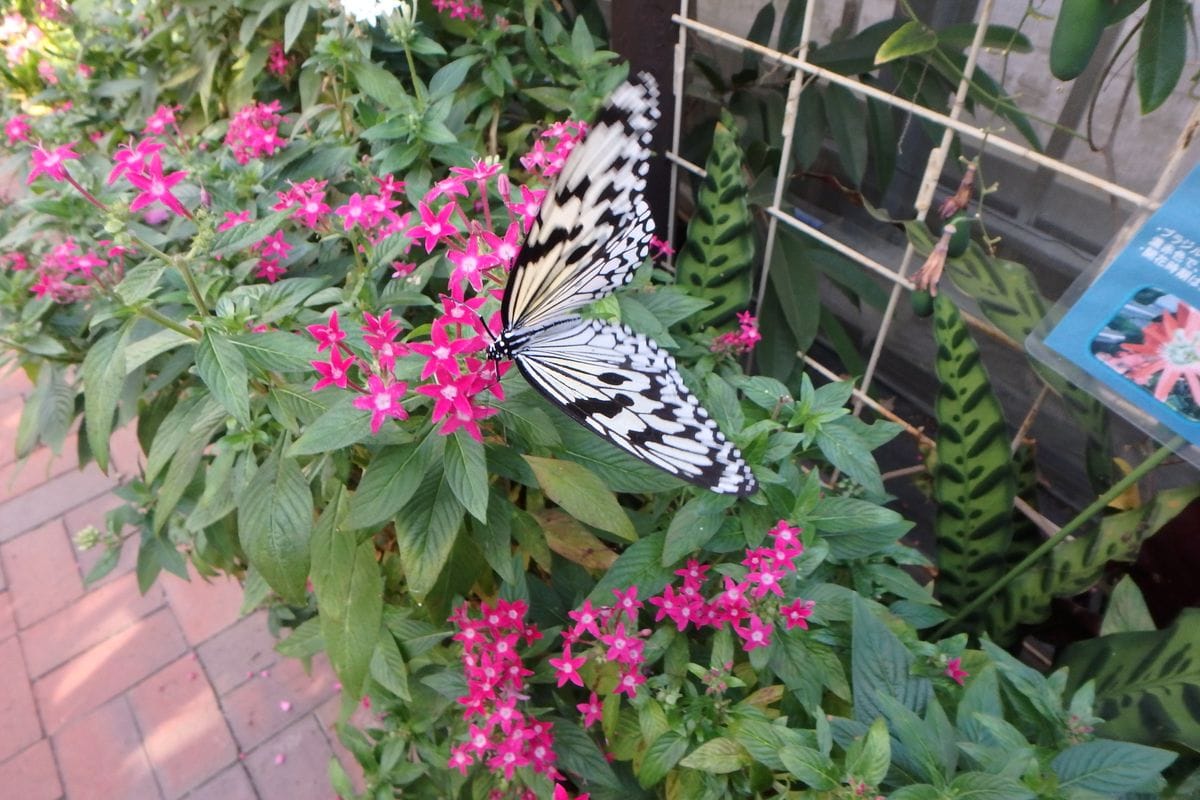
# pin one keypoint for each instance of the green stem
(412, 74)
(181, 266)
(1100, 503)
(167, 322)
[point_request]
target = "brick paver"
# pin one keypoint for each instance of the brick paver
(110, 609)
(292, 762)
(101, 756)
(181, 724)
(38, 566)
(111, 694)
(108, 669)
(32, 773)
(19, 727)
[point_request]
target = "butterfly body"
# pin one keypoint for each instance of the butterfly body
(591, 233)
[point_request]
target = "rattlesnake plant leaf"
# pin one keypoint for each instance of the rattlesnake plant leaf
(1147, 683)
(973, 481)
(717, 258)
(1076, 565)
(1009, 298)
(1025, 538)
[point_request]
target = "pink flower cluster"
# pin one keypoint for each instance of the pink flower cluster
(383, 394)
(278, 62)
(141, 165)
(750, 605)
(459, 9)
(60, 271)
(162, 120)
(254, 131)
(740, 341)
(610, 634)
(307, 202)
(551, 149)
(500, 734)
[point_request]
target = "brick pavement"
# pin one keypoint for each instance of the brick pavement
(114, 695)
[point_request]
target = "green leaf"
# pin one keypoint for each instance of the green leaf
(494, 537)
(388, 667)
(855, 528)
(377, 83)
(447, 79)
(693, 525)
(223, 370)
(425, 533)
(1109, 768)
(640, 565)
(103, 379)
(342, 425)
(466, 472)
(582, 495)
(293, 23)
(662, 756)
(351, 604)
(718, 756)
(620, 471)
(275, 521)
(1145, 681)
(879, 666)
(304, 641)
(868, 759)
(579, 755)
(139, 283)
(996, 37)
(1127, 610)
(795, 284)
(848, 123)
(840, 443)
(811, 766)
(910, 39)
(390, 481)
(984, 786)
(276, 351)
(1162, 50)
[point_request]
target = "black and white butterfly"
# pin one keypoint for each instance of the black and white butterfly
(591, 233)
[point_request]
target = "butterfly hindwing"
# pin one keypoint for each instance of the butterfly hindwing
(624, 387)
(594, 226)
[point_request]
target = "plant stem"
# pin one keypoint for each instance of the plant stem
(167, 322)
(1075, 524)
(179, 264)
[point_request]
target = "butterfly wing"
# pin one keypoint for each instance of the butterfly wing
(626, 388)
(594, 226)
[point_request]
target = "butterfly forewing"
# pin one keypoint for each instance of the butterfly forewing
(627, 389)
(594, 226)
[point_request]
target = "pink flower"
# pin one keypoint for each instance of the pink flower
(955, 671)
(273, 245)
(233, 219)
(434, 226)
(46, 71)
(254, 131)
(51, 163)
(628, 683)
(306, 201)
(469, 266)
(757, 635)
(591, 710)
(156, 187)
(133, 159)
(796, 614)
(383, 401)
(505, 248)
(660, 249)
(586, 619)
(460, 758)
(328, 335)
(529, 205)
(17, 129)
(335, 372)
(627, 601)
(158, 122)
(568, 668)
(443, 353)
(270, 269)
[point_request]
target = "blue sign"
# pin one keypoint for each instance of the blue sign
(1135, 328)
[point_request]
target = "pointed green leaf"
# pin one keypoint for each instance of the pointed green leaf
(223, 370)
(910, 39)
(1162, 50)
(390, 481)
(693, 525)
(425, 533)
(1109, 768)
(466, 472)
(718, 756)
(103, 378)
(275, 520)
(582, 495)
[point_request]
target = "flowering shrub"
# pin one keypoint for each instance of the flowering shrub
(288, 273)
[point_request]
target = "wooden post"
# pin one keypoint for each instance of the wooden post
(643, 34)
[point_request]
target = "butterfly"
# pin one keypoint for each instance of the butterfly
(592, 231)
